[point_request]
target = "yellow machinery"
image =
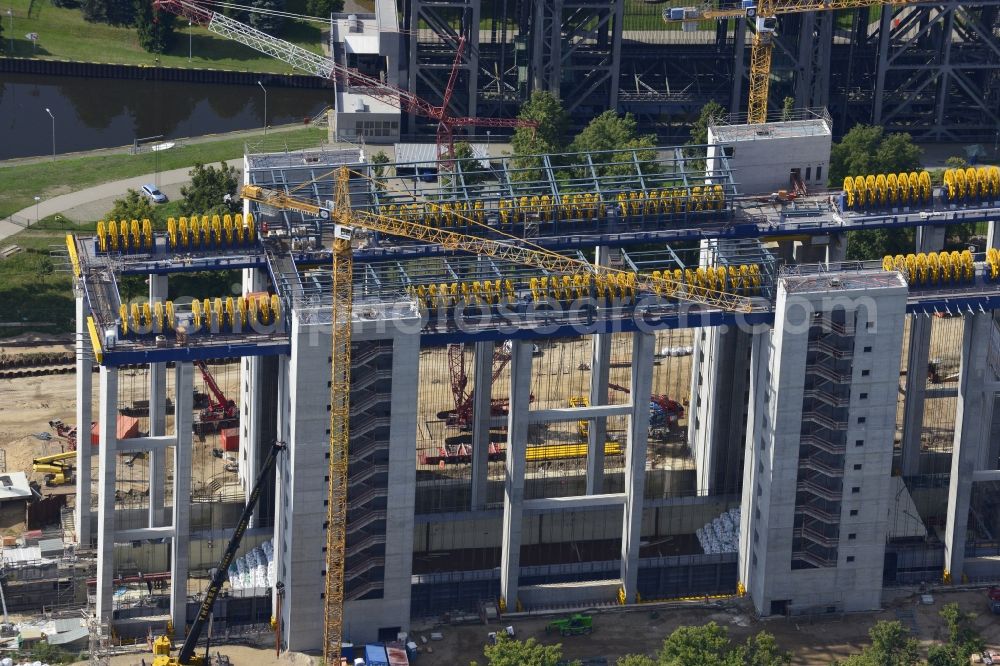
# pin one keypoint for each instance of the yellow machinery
(763, 14)
(56, 468)
(513, 250)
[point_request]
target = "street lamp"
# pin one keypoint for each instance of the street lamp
(48, 111)
(189, 41)
(37, 199)
(265, 106)
(10, 13)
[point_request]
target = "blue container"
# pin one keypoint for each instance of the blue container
(375, 655)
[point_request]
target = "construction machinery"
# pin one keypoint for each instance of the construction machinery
(461, 416)
(511, 249)
(66, 432)
(663, 412)
(763, 16)
(328, 68)
(574, 625)
(186, 655)
(57, 468)
(221, 412)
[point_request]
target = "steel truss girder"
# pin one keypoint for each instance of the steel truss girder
(581, 36)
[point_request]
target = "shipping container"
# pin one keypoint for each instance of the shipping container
(128, 427)
(231, 439)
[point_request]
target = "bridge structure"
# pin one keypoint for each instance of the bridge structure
(511, 513)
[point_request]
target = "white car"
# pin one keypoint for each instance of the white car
(153, 193)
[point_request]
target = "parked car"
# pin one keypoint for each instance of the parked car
(154, 194)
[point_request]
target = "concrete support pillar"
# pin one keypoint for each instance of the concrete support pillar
(481, 397)
(635, 461)
(157, 416)
(84, 416)
(836, 249)
(929, 239)
(180, 544)
(513, 499)
(600, 367)
(972, 435)
(108, 457)
(597, 433)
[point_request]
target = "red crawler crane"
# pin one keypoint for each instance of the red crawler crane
(461, 416)
(221, 411)
(327, 68)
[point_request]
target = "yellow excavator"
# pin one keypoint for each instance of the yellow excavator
(57, 469)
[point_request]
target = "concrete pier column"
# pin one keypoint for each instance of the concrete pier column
(157, 416)
(972, 435)
(180, 544)
(481, 413)
(108, 457)
(600, 367)
(635, 460)
(84, 416)
(836, 248)
(929, 239)
(513, 499)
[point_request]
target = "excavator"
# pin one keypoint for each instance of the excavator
(186, 656)
(56, 468)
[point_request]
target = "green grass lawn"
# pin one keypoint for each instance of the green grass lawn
(64, 35)
(34, 289)
(21, 183)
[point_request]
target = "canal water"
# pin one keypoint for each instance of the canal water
(104, 113)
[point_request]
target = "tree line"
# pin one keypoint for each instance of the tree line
(710, 645)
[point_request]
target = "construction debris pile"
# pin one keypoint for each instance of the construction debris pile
(722, 535)
(255, 569)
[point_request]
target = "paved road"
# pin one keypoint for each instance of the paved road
(93, 202)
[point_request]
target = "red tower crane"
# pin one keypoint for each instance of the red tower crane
(461, 417)
(328, 68)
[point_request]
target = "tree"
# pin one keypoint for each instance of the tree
(472, 170)
(876, 243)
(956, 163)
(553, 121)
(891, 646)
(549, 137)
(133, 206)
(866, 149)
(706, 645)
(609, 131)
(511, 652)
(963, 639)
(155, 28)
(378, 162)
(761, 650)
(710, 113)
(788, 109)
(635, 660)
(323, 8)
(208, 189)
(709, 645)
(263, 18)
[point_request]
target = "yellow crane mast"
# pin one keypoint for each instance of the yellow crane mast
(514, 251)
(763, 15)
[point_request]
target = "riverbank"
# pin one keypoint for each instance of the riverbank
(21, 180)
(63, 34)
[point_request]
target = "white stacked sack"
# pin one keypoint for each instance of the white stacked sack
(722, 535)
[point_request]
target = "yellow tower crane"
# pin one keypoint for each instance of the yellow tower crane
(514, 250)
(763, 15)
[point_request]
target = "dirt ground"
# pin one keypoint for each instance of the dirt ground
(812, 640)
(239, 655)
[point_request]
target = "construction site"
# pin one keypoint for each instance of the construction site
(454, 390)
